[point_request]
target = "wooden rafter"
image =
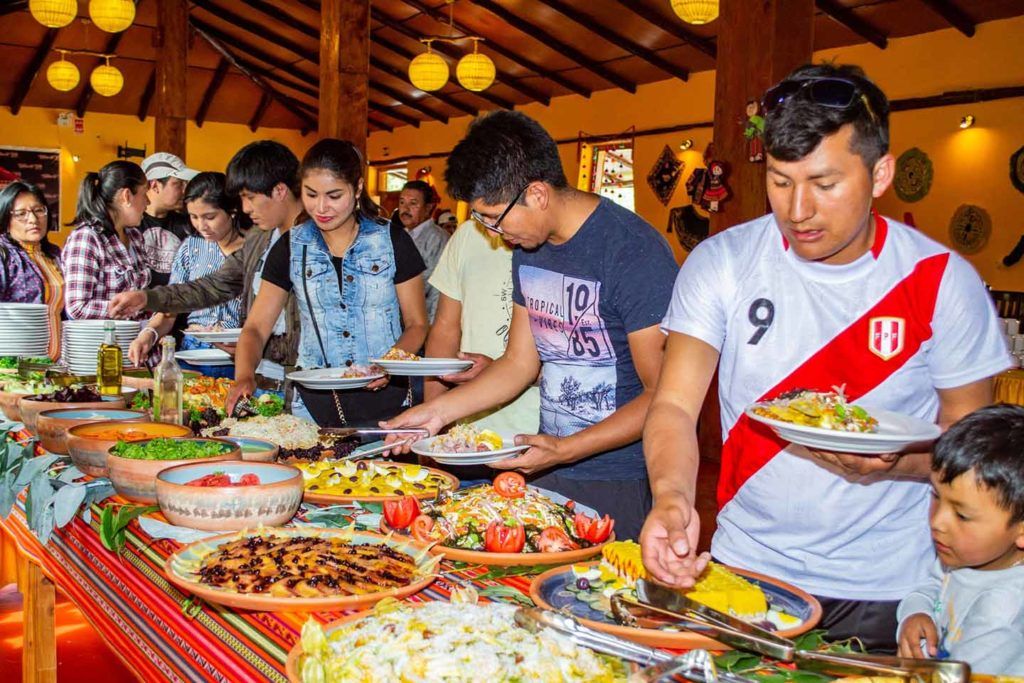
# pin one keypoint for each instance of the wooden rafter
(257, 116)
(147, 96)
(411, 103)
(11, 8)
(211, 90)
(850, 20)
(393, 113)
(953, 15)
(536, 32)
(671, 27)
(32, 70)
(258, 29)
(617, 39)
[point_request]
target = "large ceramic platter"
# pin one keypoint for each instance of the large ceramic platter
(180, 571)
(220, 336)
(895, 432)
(205, 357)
(425, 367)
(331, 378)
(338, 499)
(425, 447)
(548, 591)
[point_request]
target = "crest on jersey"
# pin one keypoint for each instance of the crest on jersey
(886, 336)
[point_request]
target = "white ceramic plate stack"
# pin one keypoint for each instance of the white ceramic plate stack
(82, 339)
(24, 330)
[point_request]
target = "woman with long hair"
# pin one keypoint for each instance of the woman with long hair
(356, 282)
(29, 264)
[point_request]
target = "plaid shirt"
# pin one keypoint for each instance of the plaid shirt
(97, 266)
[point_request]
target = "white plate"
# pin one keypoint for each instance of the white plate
(425, 367)
(509, 448)
(330, 378)
(205, 357)
(895, 432)
(222, 337)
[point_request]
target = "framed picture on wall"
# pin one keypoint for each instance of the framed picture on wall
(40, 167)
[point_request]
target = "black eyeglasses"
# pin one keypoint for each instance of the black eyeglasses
(831, 92)
(495, 226)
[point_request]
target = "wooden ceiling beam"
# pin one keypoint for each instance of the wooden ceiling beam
(407, 101)
(250, 49)
(32, 70)
(671, 27)
(13, 7)
(618, 40)
(533, 66)
(381, 65)
(536, 32)
(259, 30)
(147, 96)
(846, 17)
(953, 15)
(211, 90)
(379, 125)
(281, 16)
(393, 113)
(257, 117)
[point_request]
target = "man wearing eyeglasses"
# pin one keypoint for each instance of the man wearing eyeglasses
(591, 281)
(820, 294)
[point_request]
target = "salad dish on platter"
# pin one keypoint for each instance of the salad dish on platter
(467, 445)
(821, 409)
(353, 377)
(287, 431)
(331, 482)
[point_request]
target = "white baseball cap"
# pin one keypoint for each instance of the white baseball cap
(163, 165)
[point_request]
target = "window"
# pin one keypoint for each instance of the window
(611, 164)
(393, 178)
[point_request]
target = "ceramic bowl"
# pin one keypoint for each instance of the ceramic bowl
(9, 405)
(88, 444)
(136, 479)
(52, 425)
(255, 450)
(272, 502)
(31, 408)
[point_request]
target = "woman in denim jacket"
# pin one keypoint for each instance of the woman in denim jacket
(357, 285)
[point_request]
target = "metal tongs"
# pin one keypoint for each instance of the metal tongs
(346, 432)
(739, 634)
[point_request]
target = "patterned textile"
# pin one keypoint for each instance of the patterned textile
(97, 265)
(29, 276)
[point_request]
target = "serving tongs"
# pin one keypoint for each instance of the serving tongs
(338, 433)
(739, 634)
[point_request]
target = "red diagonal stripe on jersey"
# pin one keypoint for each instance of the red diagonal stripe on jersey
(845, 359)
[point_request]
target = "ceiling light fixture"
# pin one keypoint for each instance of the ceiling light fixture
(967, 121)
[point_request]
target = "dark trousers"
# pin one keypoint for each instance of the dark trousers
(873, 622)
(627, 501)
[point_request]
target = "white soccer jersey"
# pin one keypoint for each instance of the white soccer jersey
(905, 319)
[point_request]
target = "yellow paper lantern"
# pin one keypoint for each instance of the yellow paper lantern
(106, 80)
(696, 11)
(112, 16)
(63, 75)
(475, 71)
(53, 13)
(428, 71)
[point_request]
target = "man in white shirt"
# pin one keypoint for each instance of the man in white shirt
(415, 210)
(821, 293)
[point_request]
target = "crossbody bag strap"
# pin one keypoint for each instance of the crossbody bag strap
(316, 329)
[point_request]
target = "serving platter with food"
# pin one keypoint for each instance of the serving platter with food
(467, 445)
(214, 334)
(353, 377)
(334, 482)
(405, 364)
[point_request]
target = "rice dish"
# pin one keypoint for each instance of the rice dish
(287, 431)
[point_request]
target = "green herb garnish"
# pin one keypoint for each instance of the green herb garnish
(169, 449)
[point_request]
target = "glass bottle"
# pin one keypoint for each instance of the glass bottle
(109, 362)
(168, 386)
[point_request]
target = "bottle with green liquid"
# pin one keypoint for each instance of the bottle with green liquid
(109, 362)
(168, 386)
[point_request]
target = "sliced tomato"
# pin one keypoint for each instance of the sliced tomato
(593, 530)
(249, 479)
(400, 513)
(421, 528)
(555, 540)
(505, 537)
(510, 485)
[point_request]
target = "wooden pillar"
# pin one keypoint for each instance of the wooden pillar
(171, 40)
(345, 70)
(39, 653)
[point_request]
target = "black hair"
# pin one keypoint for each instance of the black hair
(989, 442)
(8, 196)
(260, 166)
(97, 191)
(502, 153)
(424, 188)
(341, 159)
(211, 187)
(795, 127)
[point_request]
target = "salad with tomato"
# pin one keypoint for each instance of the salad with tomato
(504, 517)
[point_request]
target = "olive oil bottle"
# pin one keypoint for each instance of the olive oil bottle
(109, 359)
(168, 386)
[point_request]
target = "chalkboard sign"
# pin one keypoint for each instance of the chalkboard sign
(41, 167)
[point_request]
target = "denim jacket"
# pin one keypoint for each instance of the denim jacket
(352, 323)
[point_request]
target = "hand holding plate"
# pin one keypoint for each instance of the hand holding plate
(480, 363)
(545, 452)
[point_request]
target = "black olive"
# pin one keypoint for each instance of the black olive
(347, 491)
(361, 465)
(374, 489)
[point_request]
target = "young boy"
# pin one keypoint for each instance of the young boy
(972, 608)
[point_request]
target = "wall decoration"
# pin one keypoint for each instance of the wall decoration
(664, 177)
(753, 131)
(1017, 169)
(913, 175)
(41, 167)
(690, 227)
(1013, 258)
(715, 190)
(970, 228)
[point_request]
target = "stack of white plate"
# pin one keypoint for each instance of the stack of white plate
(24, 330)
(82, 339)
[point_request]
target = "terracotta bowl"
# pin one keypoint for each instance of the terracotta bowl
(30, 408)
(88, 444)
(9, 405)
(53, 425)
(136, 479)
(255, 450)
(272, 502)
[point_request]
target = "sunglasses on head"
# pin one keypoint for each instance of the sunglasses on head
(831, 92)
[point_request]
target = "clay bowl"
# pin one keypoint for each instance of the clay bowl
(53, 425)
(255, 450)
(88, 444)
(136, 479)
(9, 405)
(31, 408)
(272, 502)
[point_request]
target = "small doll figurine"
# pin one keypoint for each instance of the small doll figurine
(754, 132)
(716, 191)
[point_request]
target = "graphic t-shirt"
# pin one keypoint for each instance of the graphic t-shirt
(584, 297)
(162, 238)
(907, 318)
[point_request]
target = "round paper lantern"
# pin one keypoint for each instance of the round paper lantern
(696, 11)
(106, 80)
(63, 75)
(112, 16)
(53, 13)
(428, 71)
(475, 71)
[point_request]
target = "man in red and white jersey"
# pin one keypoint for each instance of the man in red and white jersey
(821, 293)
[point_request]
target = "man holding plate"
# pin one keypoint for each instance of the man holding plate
(821, 293)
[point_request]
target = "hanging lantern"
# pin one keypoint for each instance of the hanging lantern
(475, 71)
(112, 16)
(63, 75)
(696, 11)
(428, 71)
(106, 80)
(53, 13)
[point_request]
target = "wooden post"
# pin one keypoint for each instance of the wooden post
(172, 39)
(345, 70)
(39, 653)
